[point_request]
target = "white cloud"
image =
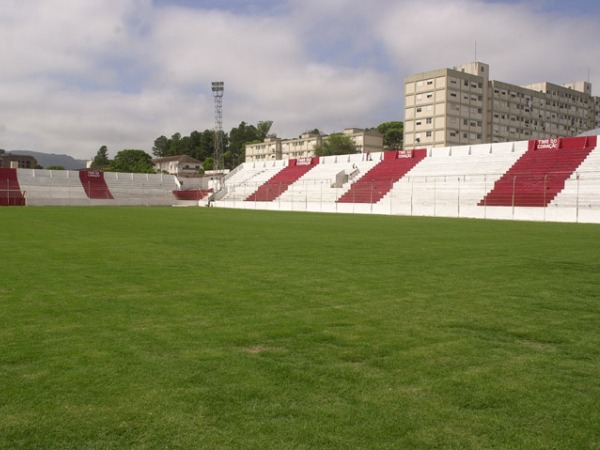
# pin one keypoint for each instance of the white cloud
(521, 44)
(122, 72)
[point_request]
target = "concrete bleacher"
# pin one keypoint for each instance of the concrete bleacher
(141, 188)
(245, 180)
(94, 185)
(77, 188)
(279, 183)
(379, 180)
(540, 174)
(328, 180)
(52, 187)
(450, 182)
(561, 182)
(452, 178)
(10, 188)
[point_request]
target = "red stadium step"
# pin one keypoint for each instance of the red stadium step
(192, 194)
(94, 184)
(282, 180)
(10, 191)
(378, 181)
(540, 174)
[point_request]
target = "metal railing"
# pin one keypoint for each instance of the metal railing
(448, 195)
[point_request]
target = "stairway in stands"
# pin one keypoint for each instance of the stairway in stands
(378, 181)
(94, 184)
(10, 191)
(540, 174)
(280, 182)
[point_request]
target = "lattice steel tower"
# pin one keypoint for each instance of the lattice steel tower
(217, 88)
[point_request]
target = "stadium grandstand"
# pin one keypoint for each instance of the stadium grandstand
(554, 179)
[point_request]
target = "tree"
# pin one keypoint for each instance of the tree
(176, 145)
(135, 161)
(393, 134)
(161, 147)
(207, 146)
(393, 138)
(238, 138)
(336, 144)
(101, 158)
(55, 168)
(263, 128)
(208, 164)
(195, 146)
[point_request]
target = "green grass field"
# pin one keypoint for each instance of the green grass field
(155, 328)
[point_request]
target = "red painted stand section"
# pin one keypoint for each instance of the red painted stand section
(10, 191)
(378, 181)
(283, 179)
(540, 174)
(192, 194)
(94, 184)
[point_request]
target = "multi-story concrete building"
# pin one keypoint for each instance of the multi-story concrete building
(10, 160)
(274, 148)
(462, 105)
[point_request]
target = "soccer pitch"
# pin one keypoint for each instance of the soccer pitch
(225, 329)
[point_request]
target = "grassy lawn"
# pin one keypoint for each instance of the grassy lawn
(224, 329)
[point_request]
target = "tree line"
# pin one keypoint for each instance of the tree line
(200, 145)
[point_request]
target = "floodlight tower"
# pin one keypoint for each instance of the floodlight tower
(217, 88)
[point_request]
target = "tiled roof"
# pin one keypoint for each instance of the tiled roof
(177, 158)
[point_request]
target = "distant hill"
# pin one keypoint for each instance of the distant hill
(50, 159)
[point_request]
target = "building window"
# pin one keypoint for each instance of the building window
(428, 134)
(428, 120)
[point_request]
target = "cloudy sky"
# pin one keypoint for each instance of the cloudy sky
(79, 74)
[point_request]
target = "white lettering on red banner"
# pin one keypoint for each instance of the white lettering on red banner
(404, 154)
(304, 161)
(547, 144)
(93, 174)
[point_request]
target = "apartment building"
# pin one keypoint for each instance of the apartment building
(10, 160)
(274, 148)
(462, 105)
